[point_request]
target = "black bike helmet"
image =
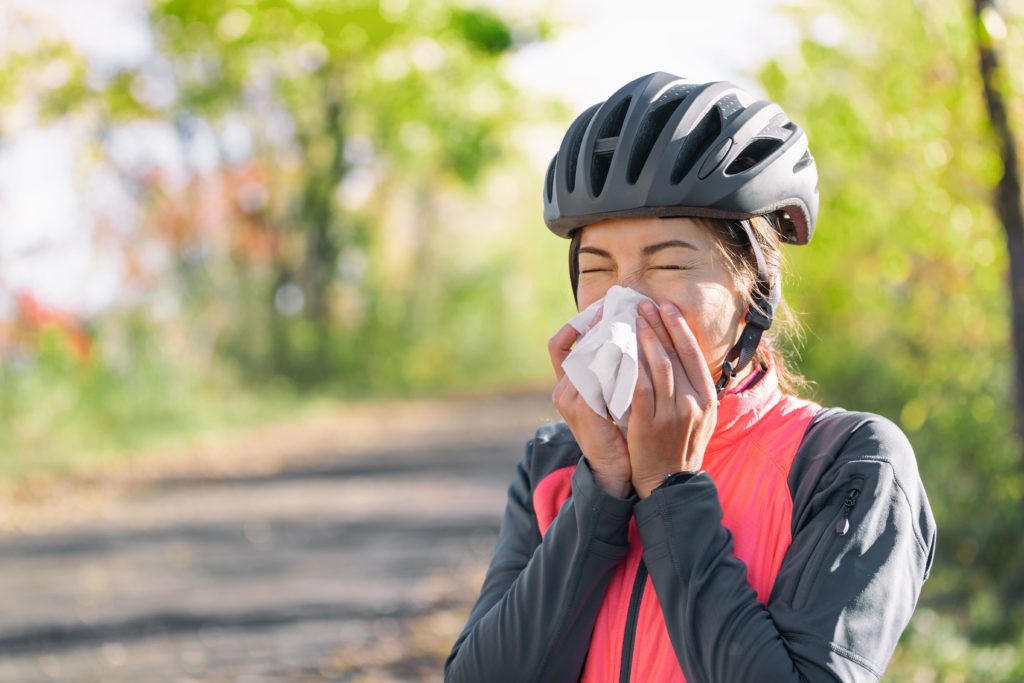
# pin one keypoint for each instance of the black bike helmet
(665, 146)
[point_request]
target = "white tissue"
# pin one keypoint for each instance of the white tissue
(603, 366)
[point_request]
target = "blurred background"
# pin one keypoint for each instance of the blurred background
(243, 244)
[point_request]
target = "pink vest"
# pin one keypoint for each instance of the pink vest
(749, 457)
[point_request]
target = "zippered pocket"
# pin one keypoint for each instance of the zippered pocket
(848, 504)
(829, 539)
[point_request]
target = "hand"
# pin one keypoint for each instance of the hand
(599, 438)
(675, 406)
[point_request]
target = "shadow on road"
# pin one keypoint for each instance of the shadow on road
(350, 564)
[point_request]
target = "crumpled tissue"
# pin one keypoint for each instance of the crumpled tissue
(603, 366)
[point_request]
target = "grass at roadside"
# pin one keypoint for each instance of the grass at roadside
(62, 414)
(66, 427)
(935, 649)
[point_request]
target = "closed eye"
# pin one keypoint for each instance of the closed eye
(595, 270)
(670, 267)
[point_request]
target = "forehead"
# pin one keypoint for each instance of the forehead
(628, 233)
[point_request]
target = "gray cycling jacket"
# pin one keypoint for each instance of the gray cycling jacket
(845, 589)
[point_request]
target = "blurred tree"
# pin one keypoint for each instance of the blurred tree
(273, 177)
(904, 286)
(330, 95)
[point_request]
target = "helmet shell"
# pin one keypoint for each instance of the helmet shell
(665, 146)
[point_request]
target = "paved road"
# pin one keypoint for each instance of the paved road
(351, 562)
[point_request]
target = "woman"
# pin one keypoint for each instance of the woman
(732, 532)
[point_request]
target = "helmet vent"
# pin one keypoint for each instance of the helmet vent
(805, 161)
(579, 127)
(696, 144)
(549, 183)
(650, 129)
(612, 125)
(753, 154)
(604, 147)
(599, 165)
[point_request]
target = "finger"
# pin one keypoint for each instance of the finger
(571, 394)
(660, 366)
(565, 394)
(560, 345)
(556, 393)
(583, 410)
(650, 313)
(689, 354)
(654, 319)
(643, 395)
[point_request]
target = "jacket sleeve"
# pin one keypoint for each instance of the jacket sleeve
(840, 600)
(540, 597)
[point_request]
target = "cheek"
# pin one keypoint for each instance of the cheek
(589, 290)
(712, 313)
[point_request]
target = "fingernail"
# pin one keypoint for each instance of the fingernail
(670, 308)
(647, 307)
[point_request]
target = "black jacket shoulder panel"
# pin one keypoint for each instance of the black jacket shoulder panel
(837, 437)
(552, 448)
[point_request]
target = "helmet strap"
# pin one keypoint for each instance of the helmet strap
(764, 298)
(574, 264)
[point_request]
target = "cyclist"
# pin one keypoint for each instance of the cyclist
(733, 531)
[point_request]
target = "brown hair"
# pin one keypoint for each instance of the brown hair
(735, 248)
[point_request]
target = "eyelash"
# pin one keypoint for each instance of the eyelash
(608, 270)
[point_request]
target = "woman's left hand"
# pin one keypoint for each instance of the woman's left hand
(675, 405)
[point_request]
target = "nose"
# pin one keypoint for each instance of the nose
(636, 282)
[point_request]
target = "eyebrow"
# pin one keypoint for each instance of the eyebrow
(653, 248)
(647, 251)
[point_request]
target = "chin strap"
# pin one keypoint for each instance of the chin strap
(759, 317)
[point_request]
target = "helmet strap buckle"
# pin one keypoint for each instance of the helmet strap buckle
(728, 372)
(760, 314)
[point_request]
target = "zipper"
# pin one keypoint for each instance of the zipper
(629, 637)
(837, 527)
(843, 525)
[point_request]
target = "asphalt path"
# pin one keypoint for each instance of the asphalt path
(355, 557)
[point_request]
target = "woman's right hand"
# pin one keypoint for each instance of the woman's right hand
(599, 438)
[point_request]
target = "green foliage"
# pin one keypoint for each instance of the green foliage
(411, 94)
(51, 77)
(903, 287)
(936, 649)
(64, 412)
(418, 87)
(417, 63)
(483, 30)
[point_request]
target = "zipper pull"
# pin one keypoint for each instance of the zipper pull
(844, 522)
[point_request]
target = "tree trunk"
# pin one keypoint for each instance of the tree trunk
(1007, 201)
(1007, 197)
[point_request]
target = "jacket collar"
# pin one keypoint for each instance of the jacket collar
(739, 411)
